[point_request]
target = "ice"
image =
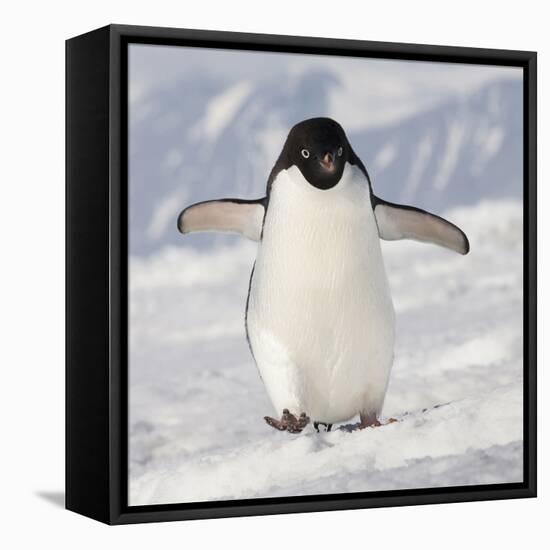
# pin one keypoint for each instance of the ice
(197, 402)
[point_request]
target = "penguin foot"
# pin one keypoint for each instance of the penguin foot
(370, 421)
(328, 427)
(288, 422)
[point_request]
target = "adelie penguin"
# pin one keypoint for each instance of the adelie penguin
(319, 314)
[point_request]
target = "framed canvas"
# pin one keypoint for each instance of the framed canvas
(301, 274)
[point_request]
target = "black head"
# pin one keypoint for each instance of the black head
(319, 148)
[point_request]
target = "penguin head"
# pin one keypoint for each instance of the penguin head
(320, 149)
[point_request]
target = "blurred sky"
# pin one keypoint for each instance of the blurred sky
(374, 91)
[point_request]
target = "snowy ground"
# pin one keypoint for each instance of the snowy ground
(197, 402)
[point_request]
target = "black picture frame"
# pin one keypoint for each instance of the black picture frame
(97, 271)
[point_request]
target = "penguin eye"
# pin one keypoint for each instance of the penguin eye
(305, 153)
(340, 151)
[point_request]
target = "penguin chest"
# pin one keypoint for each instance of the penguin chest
(320, 318)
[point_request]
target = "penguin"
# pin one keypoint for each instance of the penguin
(319, 317)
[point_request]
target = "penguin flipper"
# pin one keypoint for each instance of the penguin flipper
(244, 217)
(397, 222)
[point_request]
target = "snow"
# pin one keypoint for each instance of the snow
(390, 90)
(197, 402)
(221, 110)
(164, 214)
(489, 139)
(420, 162)
(449, 161)
(385, 156)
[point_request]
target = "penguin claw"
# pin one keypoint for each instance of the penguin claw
(274, 423)
(288, 422)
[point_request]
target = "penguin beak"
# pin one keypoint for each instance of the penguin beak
(327, 161)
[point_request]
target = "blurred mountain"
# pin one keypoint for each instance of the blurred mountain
(189, 142)
(455, 154)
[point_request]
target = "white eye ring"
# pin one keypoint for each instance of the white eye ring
(340, 151)
(305, 153)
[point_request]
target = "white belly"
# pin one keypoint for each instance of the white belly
(320, 318)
